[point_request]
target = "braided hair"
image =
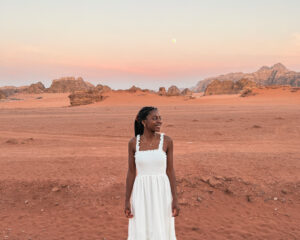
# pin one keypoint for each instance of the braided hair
(142, 115)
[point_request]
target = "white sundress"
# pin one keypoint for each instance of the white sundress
(151, 197)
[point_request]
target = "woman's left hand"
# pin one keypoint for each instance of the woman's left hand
(175, 208)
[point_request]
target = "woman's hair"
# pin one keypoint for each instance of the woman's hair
(142, 115)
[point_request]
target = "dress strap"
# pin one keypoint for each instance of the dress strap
(161, 143)
(137, 147)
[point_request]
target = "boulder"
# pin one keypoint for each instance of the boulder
(173, 91)
(186, 92)
(247, 92)
(85, 97)
(162, 91)
(69, 84)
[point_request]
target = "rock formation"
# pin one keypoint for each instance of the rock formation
(247, 92)
(9, 90)
(2, 95)
(147, 90)
(162, 91)
(85, 97)
(186, 92)
(103, 88)
(173, 91)
(228, 87)
(134, 89)
(35, 88)
(278, 74)
(69, 84)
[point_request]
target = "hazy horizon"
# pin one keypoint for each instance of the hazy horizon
(141, 43)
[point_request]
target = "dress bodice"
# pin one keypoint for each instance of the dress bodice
(151, 162)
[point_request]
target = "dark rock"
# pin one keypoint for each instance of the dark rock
(86, 97)
(162, 91)
(173, 91)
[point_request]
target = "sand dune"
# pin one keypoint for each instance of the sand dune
(278, 95)
(63, 169)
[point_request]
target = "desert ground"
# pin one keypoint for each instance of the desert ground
(237, 165)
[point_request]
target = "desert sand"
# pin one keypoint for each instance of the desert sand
(237, 164)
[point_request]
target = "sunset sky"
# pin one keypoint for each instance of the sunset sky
(145, 43)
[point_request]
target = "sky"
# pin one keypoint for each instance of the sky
(144, 43)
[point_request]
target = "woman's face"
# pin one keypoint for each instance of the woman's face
(153, 121)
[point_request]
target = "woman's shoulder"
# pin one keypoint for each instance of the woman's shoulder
(132, 141)
(167, 138)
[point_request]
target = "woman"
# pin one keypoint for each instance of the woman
(152, 191)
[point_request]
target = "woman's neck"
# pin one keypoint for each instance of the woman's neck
(149, 134)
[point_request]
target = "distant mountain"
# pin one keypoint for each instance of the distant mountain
(278, 74)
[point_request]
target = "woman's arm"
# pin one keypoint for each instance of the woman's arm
(131, 173)
(171, 175)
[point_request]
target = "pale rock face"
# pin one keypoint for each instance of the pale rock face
(173, 91)
(278, 74)
(228, 87)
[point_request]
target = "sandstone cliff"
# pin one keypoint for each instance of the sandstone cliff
(228, 87)
(278, 74)
(69, 84)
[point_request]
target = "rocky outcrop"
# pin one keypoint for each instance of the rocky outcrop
(134, 89)
(85, 97)
(173, 91)
(162, 91)
(103, 88)
(147, 91)
(228, 87)
(278, 74)
(2, 95)
(247, 92)
(35, 88)
(9, 90)
(186, 92)
(69, 84)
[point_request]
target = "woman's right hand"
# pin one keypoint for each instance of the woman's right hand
(127, 210)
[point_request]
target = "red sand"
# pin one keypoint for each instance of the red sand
(236, 162)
